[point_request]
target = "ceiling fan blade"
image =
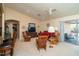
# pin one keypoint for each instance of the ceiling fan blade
(51, 11)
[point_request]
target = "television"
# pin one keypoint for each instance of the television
(31, 27)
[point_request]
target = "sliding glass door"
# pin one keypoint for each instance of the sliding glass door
(70, 31)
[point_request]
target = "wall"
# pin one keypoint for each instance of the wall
(0, 21)
(43, 26)
(23, 19)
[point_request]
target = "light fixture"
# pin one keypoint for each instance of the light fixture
(51, 29)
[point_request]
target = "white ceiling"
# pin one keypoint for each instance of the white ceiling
(34, 9)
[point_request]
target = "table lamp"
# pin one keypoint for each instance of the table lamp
(51, 30)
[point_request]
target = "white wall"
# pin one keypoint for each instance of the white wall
(11, 14)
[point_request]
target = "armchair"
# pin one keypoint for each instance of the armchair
(26, 37)
(55, 39)
(41, 42)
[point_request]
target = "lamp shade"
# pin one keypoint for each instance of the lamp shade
(51, 29)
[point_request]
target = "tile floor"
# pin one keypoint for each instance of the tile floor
(30, 49)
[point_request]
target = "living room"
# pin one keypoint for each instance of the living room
(42, 16)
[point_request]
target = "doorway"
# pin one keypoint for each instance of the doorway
(11, 26)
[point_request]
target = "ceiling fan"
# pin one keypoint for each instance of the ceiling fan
(50, 11)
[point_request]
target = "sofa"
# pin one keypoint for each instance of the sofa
(47, 33)
(70, 38)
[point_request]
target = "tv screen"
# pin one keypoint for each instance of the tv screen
(31, 27)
